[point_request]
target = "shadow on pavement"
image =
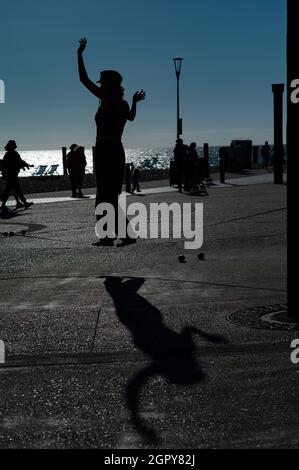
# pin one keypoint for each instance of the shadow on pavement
(173, 354)
(11, 214)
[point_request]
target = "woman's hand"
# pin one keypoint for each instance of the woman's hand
(138, 96)
(83, 44)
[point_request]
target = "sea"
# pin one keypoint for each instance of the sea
(143, 158)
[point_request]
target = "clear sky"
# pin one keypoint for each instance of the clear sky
(233, 51)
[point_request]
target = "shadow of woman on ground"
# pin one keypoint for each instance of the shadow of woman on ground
(172, 354)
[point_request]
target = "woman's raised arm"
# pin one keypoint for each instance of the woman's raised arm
(138, 96)
(92, 87)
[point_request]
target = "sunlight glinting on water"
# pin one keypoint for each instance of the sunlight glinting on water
(150, 158)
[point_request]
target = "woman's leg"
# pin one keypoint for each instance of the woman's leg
(101, 198)
(110, 166)
(80, 182)
(126, 238)
(73, 183)
(19, 193)
(9, 184)
(19, 204)
(16, 196)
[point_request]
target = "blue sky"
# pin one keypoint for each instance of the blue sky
(233, 51)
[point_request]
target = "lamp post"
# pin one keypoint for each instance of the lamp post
(178, 66)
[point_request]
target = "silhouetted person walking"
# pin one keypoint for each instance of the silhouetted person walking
(181, 161)
(266, 150)
(76, 163)
(135, 179)
(11, 166)
(128, 177)
(111, 118)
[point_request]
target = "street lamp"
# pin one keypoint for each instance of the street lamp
(178, 66)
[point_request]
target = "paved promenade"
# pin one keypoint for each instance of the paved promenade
(128, 348)
(153, 187)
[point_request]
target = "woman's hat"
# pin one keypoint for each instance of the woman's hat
(111, 76)
(73, 146)
(9, 143)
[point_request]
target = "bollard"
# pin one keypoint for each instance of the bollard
(206, 151)
(64, 160)
(206, 158)
(222, 163)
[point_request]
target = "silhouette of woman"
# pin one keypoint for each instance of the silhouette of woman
(12, 164)
(110, 118)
